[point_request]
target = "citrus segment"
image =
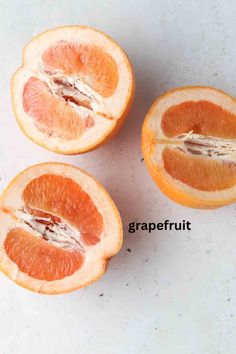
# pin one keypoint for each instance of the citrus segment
(201, 117)
(199, 173)
(97, 68)
(63, 197)
(59, 228)
(189, 146)
(39, 259)
(52, 117)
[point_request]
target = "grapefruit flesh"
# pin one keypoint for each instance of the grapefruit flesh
(49, 113)
(63, 197)
(97, 68)
(201, 117)
(73, 90)
(189, 145)
(57, 236)
(38, 258)
(198, 172)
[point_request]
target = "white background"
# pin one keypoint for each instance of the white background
(175, 291)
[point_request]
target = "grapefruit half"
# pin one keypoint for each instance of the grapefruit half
(189, 146)
(59, 228)
(73, 90)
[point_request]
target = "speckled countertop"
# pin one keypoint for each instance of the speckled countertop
(165, 293)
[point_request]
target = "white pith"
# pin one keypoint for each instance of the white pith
(196, 145)
(95, 256)
(97, 102)
(203, 146)
(60, 234)
(112, 107)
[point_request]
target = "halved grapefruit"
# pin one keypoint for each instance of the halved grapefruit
(73, 90)
(189, 146)
(59, 228)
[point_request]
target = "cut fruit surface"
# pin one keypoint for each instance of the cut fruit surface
(59, 228)
(73, 90)
(189, 146)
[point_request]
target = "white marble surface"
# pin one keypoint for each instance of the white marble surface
(175, 292)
